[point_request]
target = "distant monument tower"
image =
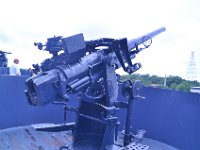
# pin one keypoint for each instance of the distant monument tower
(192, 68)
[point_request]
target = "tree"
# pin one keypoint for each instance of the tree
(184, 86)
(173, 82)
(173, 86)
(173, 79)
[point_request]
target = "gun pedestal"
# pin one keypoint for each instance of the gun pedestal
(97, 118)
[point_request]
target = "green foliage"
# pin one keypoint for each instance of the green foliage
(172, 82)
(174, 79)
(184, 86)
(173, 86)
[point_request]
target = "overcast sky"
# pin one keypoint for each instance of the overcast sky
(23, 22)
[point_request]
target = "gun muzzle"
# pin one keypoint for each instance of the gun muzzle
(134, 42)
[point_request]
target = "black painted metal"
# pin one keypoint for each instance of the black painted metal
(92, 65)
(3, 58)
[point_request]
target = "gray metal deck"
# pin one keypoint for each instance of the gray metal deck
(32, 138)
(27, 138)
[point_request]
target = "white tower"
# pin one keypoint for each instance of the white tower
(192, 68)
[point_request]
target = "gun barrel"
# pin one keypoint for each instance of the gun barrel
(134, 42)
(81, 73)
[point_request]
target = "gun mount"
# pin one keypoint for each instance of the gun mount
(88, 68)
(3, 58)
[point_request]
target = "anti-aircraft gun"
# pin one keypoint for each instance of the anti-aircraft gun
(3, 58)
(87, 68)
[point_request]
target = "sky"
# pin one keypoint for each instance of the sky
(24, 22)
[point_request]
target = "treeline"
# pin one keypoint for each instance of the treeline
(171, 82)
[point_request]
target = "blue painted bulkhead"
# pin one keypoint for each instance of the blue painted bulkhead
(15, 109)
(168, 116)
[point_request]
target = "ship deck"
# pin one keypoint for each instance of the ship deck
(42, 137)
